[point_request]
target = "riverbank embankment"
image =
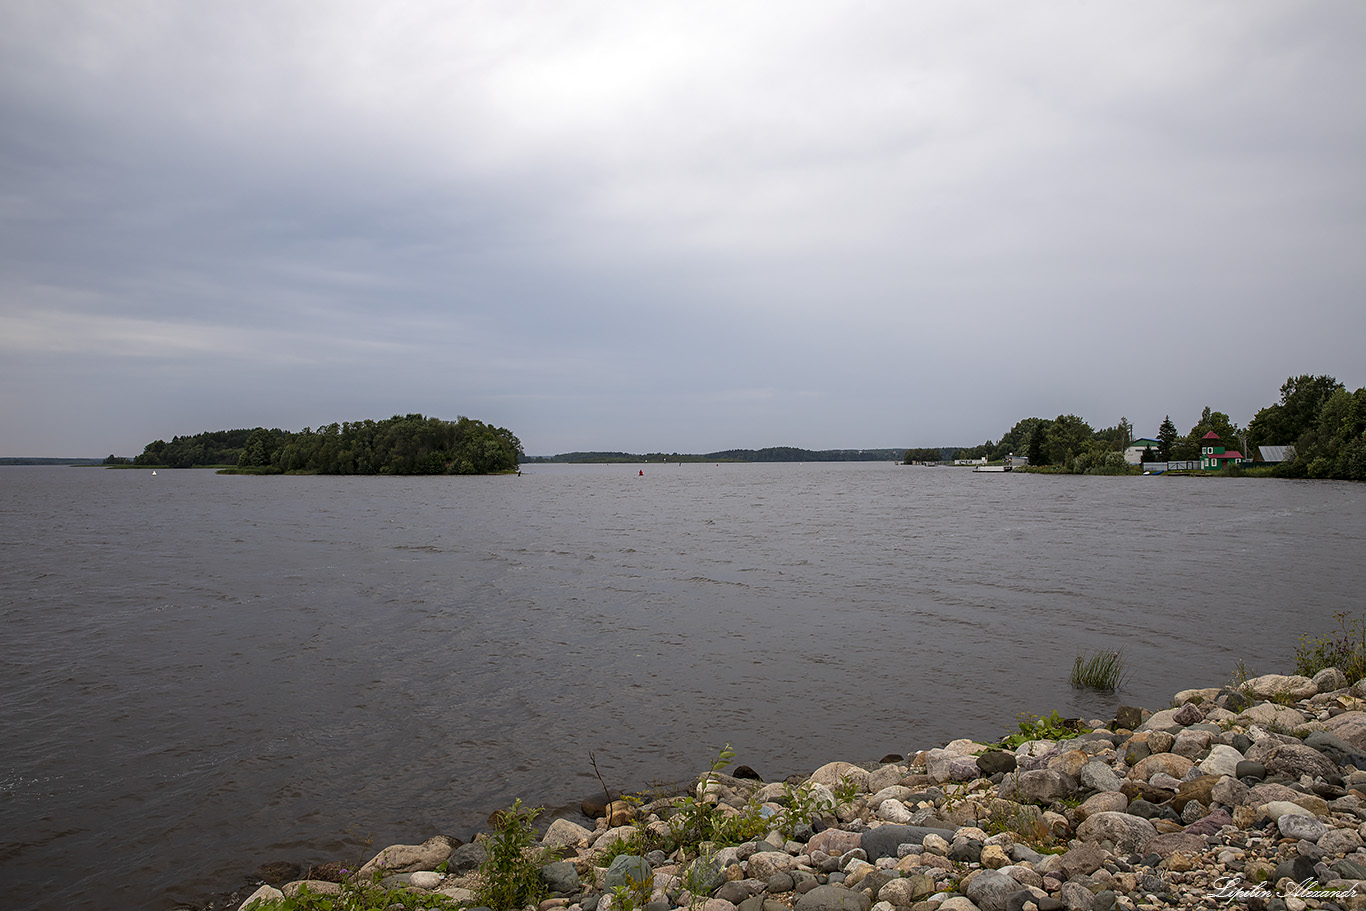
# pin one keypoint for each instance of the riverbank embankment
(1252, 795)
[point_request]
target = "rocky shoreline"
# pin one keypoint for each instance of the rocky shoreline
(1253, 796)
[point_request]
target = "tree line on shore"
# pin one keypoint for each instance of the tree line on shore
(1316, 415)
(769, 454)
(403, 444)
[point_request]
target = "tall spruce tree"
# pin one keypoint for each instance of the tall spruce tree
(1166, 436)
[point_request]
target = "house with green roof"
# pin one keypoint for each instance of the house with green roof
(1133, 454)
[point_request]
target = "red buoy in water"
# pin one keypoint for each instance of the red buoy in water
(642, 472)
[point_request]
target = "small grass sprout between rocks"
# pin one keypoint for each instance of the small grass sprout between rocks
(1103, 670)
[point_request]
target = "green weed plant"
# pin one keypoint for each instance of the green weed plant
(1047, 727)
(509, 877)
(1343, 648)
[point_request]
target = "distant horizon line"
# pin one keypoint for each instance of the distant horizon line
(81, 460)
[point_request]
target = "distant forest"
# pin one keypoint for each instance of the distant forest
(408, 444)
(771, 454)
(42, 461)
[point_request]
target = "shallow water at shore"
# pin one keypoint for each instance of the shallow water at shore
(202, 673)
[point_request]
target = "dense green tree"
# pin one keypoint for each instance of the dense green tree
(1097, 457)
(1066, 438)
(219, 447)
(257, 452)
(1036, 451)
(1166, 438)
(1335, 447)
(931, 454)
(1118, 436)
(1017, 439)
(1297, 413)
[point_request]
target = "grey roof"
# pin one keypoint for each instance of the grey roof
(1276, 453)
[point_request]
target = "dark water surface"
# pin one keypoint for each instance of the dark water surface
(201, 673)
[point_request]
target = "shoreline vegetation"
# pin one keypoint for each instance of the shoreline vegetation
(768, 454)
(1254, 789)
(1320, 424)
(1318, 429)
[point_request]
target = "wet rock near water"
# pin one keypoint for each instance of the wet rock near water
(1254, 796)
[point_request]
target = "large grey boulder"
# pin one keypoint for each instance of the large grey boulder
(408, 858)
(629, 870)
(884, 840)
(1273, 686)
(1097, 776)
(1083, 860)
(1192, 743)
(1295, 759)
(560, 878)
(1164, 720)
(907, 891)
(1273, 716)
(1125, 832)
(1330, 679)
(1298, 826)
(1335, 748)
(1222, 760)
(1350, 726)
(563, 832)
(265, 894)
(946, 765)
(833, 773)
(764, 864)
(1168, 763)
(990, 889)
(707, 873)
(466, 858)
(1076, 897)
(1229, 792)
(833, 898)
(1038, 786)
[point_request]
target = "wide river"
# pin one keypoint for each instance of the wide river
(202, 673)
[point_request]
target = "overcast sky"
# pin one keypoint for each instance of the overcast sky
(673, 226)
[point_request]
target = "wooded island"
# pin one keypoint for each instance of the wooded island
(402, 444)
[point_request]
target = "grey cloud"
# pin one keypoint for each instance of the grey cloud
(734, 226)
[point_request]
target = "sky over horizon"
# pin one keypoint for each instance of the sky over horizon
(672, 226)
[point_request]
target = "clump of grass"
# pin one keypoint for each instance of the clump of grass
(1102, 671)
(1344, 649)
